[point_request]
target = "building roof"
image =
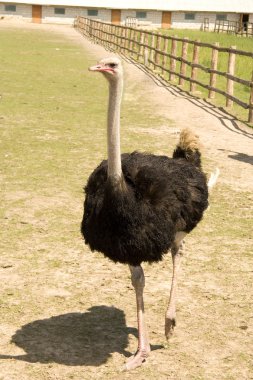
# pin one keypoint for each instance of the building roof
(233, 6)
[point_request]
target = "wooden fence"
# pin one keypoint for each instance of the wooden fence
(152, 50)
(234, 27)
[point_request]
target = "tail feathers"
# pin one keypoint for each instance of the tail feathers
(213, 179)
(188, 147)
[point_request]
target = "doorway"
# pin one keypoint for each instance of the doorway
(166, 20)
(245, 20)
(36, 14)
(116, 16)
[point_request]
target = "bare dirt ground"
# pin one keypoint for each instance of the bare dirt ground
(79, 319)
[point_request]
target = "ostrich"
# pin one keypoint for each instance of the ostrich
(138, 206)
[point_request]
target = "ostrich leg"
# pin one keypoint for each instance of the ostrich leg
(138, 281)
(170, 316)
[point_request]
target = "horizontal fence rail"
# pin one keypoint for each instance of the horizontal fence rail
(152, 50)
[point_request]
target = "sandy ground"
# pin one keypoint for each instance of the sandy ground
(39, 350)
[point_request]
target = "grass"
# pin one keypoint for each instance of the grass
(57, 297)
(225, 40)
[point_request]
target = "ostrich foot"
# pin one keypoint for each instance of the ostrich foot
(170, 324)
(137, 359)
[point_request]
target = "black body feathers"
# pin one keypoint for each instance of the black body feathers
(136, 219)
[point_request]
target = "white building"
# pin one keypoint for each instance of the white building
(151, 13)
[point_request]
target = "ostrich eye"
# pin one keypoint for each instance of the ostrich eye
(112, 65)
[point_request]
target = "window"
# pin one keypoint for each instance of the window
(141, 14)
(59, 11)
(92, 12)
(10, 8)
(189, 16)
(221, 17)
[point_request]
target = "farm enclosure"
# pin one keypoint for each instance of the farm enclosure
(67, 313)
(210, 67)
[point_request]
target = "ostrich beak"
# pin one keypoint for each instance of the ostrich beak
(95, 68)
(100, 68)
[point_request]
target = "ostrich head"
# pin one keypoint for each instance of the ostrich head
(111, 68)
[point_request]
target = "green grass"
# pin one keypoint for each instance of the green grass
(48, 96)
(225, 40)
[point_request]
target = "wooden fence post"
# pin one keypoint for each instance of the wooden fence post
(152, 51)
(124, 36)
(118, 37)
(195, 60)
(250, 119)
(183, 64)
(95, 32)
(131, 41)
(99, 33)
(114, 37)
(134, 37)
(213, 76)
(86, 27)
(84, 23)
(165, 50)
(108, 37)
(136, 44)
(146, 50)
(89, 28)
(92, 30)
(127, 32)
(121, 39)
(173, 62)
(230, 82)
(103, 34)
(141, 47)
(158, 47)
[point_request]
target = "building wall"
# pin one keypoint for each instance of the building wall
(154, 18)
(178, 20)
(103, 15)
(23, 11)
(48, 15)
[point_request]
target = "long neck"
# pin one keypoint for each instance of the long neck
(113, 129)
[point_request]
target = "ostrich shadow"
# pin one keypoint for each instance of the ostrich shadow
(75, 339)
(239, 156)
(242, 157)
